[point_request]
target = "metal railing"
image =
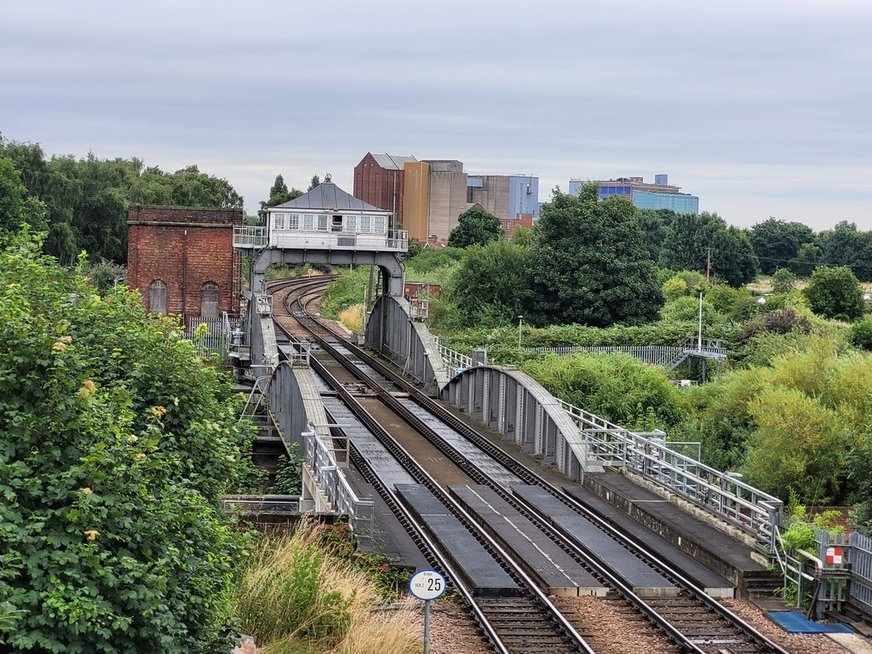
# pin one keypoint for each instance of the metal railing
(646, 353)
(261, 504)
(246, 236)
(454, 359)
(722, 493)
(332, 481)
(860, 556)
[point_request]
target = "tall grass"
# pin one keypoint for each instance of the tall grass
(352, 317)
(295, 597)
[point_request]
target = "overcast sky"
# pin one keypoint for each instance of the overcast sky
(760, 108)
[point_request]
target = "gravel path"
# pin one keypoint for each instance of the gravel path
(794, 643)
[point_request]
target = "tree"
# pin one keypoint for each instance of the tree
(16, 208)
(475, 226)
(655, 225)
(589, 263)
(493, 284)
(732, 257)
(702, 242)
(776, 242)
(315, 182)
(278, 194)
(844, 245)
(807, 259)
(835, 293)
(783, 281)
(117, 443)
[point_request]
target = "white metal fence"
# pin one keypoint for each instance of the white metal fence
(860, 556)
(332, 480)
(721, 493)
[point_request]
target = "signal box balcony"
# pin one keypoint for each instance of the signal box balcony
(259, 238)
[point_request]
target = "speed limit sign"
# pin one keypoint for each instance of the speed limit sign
(427, 585)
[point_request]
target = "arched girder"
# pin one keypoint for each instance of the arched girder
(519, 408)
(390, 263)
(408, 343)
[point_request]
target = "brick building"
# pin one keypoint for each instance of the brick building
(521, 220)
(182, 260)
(379, 179)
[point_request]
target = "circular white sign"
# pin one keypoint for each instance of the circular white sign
(427, 585)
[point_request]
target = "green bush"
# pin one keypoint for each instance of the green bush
(835, 293)
(117, 442)
(861, 334)
(614, 386)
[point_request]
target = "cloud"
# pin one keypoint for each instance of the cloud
(759, 108)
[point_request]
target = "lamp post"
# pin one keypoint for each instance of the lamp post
(520, 322)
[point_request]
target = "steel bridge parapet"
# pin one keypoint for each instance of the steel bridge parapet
(391, 331)
(518, 407)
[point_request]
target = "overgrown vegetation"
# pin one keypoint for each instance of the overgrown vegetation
(116, 443)
(297, 594)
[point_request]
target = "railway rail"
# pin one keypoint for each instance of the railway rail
(692, 621)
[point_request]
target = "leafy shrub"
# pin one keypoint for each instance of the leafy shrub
(783, 281)
(289, 476)
(861, 334)
(615, 386)
(674, 288)
(117, 443)
(835, 293)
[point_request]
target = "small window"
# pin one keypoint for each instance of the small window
(308, 222)
(157, 297)
(209, 300)
(378, 224)
(278, 221)
(350, 223)
(364, 223)
(322, 222)
(336, 225)
(294, 221)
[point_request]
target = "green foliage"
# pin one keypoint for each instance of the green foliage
(16, 207)
(475, 226)
(693, 241)
(777, 243)
(783, 281)
(589, 264)
(106, 275)
(278, 194)
(686, 309)
(615, 386)
(674, 288)
(283, 593)
(347, 290)
(289, 476)
(861, 334)
(85, 201)
(116, 443)
(845, 245)
(798, 444)
(835, 293)
(492, 284)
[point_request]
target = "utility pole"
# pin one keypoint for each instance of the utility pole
(708, 267)
(520, 322)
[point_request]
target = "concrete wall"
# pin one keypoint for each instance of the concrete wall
(184, 248)
(447, 196)
(492, 194)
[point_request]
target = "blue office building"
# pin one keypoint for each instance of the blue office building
(659, 195)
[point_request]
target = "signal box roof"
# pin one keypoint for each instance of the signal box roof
(328, 196)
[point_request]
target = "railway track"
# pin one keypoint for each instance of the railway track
(692, 621)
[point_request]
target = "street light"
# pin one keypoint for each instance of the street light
(520, 322)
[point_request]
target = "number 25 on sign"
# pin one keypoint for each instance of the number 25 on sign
(427, 585)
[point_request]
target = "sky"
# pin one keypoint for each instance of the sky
(760, 108)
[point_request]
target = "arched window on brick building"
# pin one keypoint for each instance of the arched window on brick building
(209, 300)
(157, 297)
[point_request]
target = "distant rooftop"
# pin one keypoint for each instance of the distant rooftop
(392, 161)
(329, 196)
